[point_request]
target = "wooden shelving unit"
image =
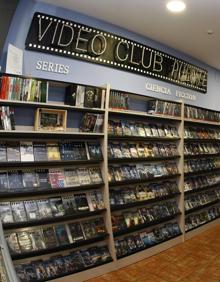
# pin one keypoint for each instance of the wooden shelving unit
(27, 133)
(199, 125)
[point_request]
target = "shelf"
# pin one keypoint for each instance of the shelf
(77, 215)
(142, 114)
(203, 188)
(48, 163)
(49, 105)
(159, 158)
(47, 134)
(201, 121)
(77, 271)
(202, 206)
(142, 138)
(202, 224)
(148, 247)
(59, 248)
(145, 202)
(144, 225)
(201, 156)
(36, 192)
(138, 181)
(201, 140)
(201, 172)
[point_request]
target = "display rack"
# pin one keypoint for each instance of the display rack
(201, 147)
(142, 161)
(128, 109)
(57, 97)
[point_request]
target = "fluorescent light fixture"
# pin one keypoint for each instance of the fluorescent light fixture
(176, 6)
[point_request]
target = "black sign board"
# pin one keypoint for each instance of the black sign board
(61, 37)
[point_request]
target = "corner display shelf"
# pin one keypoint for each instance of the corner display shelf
(115, 195)
(201, 145)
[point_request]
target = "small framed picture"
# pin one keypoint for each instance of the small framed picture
(50, 119)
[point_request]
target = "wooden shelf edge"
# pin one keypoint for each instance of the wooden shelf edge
(70, 246)
(137, 181)
(23, 224)
(144, 225)
(145, 202)
(36, 192)
(201, 207)
(150, 246)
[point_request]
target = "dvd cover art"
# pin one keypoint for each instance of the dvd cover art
(4, 185)
(21, 273)
(30, 179)
(37, 239)
(95, 200)
(57, 208)
(53, 152)
(13, 152)
(59, 265)
(79, 151)
(49, 235)
(32, 211)
(69, 264)
(89, 229)
(15, 180)
(99, 225)
(26, 151)
(94, 149)
(69, 204)
(83, 175)
(40, 152)
(40, 269)
(25, 241)
(12, 241)
(86, 257)
(18, 211)
(61, 234)
(43, 178)
(6, 212)
(95, 175)
(56, 176)
(50, 268)
(3, 152)
(44, 208)
(81, 202)
(76, 231)
(30, 272)
(71, 177)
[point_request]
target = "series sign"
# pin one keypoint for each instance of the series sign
(66, 38)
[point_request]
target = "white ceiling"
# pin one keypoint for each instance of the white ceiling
(186, 32)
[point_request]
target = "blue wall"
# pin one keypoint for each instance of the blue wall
(87, 73)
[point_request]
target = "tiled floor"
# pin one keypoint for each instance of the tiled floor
(196, 260)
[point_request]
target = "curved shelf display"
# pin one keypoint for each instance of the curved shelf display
(148, 247)
(38, 191)
(142, 138)
(201, 206)
(77, 244)
(145, 202)
(138, 181)
(77, 215)
(48, 163)
(144, 225)
(157, 158)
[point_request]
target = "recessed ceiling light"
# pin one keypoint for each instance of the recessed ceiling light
(210, 31)
(176, 6)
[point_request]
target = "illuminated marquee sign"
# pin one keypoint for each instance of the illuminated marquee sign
(62, 37)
